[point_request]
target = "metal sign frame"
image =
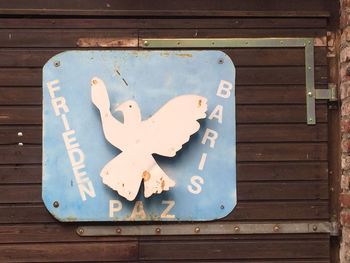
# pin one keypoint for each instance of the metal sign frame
(307, 43)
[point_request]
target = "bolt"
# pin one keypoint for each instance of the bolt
(19, 134)
(57, 63)
(146, 43)
(221, 61)
(20, 144)
(236, 228)
(276, 228)
(81, 231)
(197, 230)
(158, 230)
(56, 204)
(314, 227)
(118, 230)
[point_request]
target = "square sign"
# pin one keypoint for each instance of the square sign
(139, 136)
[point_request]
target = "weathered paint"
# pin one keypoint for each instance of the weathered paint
(75, 149)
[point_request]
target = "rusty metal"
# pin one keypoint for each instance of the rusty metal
(211, 229)
(108, 42)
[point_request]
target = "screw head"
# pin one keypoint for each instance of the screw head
(222, 207)
(197, 230)
(158, 230)
(19, 134)
(81, 231)
(57, 63)
(276, 228)
(56, 204)
(314, 227)
(146, 43)
(220, 61)
(118, 231)
(20, 144)
(236, 228)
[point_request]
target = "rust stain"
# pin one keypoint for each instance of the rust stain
(184, 55)
(146, 176)
(107, 42)
(162, 184)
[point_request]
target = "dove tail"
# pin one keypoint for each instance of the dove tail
(156, 180)
(124, 174)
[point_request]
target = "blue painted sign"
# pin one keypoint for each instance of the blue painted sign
(139, 135)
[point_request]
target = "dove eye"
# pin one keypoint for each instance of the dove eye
(130, 106)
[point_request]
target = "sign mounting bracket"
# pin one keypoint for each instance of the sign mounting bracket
(307, 43)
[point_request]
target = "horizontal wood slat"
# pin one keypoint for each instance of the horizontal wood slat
(238, 250)
(245, 133)
(269, 210)
(246, 172)
(244, 76)
(240, 57)
(245, 152)
(86, 252)
(245, 114)
(247, 191)
(146, 23)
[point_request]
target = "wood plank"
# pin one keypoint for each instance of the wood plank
(69, 252)
(145, 23)
(246, 191)
(97, 6)
(49, 233)
(21, 96)
(233, 33)
(244, 133)
(240, 56)
(240, 261)
(267, 114)
(244, 76)
(57, 38)
(249, 152)
(260, 152)
(24, 134)
(283, 210)
(21, 174)
(278, 171)
(268, 249)
(254, 191)
(244, 211)
(20, 154)
(246, 172)
(68, 38)
(279, 133)
(275, 94)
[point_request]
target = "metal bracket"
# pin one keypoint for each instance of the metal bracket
(306, 43)
(210, 229)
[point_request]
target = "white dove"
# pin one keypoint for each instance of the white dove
(164, 134)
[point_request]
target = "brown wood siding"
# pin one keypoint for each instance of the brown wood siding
(282, 168)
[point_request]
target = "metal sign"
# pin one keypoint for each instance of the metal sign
(139, 135)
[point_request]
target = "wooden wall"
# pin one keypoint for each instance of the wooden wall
(282, 163)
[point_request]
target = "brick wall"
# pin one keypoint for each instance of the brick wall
(345, 129)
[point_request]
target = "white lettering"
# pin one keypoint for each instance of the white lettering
(59, 103)
(196, 182)
(69, 141)
(217, 113)
(86, 189)
(210, 135)
(166, 211)
(114, 207)
(202, 161)
(52, 89)
(76, 156)
(138, 212)
(224, 89)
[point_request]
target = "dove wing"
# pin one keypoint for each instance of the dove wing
(174, 123)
